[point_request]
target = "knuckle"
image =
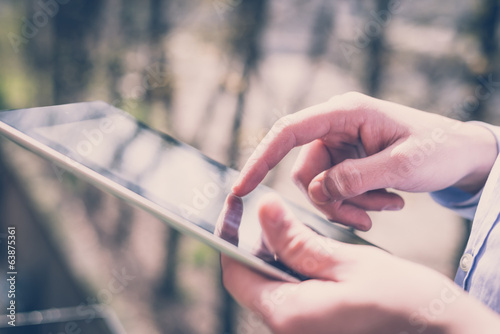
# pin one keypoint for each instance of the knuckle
(349, 101)
(279, 129)
(346, 180)
(296, 246)
(303, 250)
(404, 169)
(353, 96)
(348, 98)
(282, 123)
(399, 157)
(402, 162)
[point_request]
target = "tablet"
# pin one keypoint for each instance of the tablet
(171, 180)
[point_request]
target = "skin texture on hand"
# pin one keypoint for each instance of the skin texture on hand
(355, 146)
(354, 289)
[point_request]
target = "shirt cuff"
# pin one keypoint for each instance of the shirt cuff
(464, 203)
(495, 130)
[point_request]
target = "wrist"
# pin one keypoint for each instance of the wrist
(481, 150)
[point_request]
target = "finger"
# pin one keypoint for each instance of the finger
(296, 130)
(313, 159)
(229, 220)
(352, 212)
(353, 177)
(347, 214)
(296, 245)
(377, 200)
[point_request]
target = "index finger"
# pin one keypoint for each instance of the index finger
(291, 131)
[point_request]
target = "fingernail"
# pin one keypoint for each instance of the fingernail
(318, 194)
(235, 190)
(392, 207)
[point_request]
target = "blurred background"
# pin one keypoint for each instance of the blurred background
(215, 74)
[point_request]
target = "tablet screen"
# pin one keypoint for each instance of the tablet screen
(155, 166)
(159, 169)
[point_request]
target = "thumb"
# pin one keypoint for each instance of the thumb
(353, 177)
(295, 244)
